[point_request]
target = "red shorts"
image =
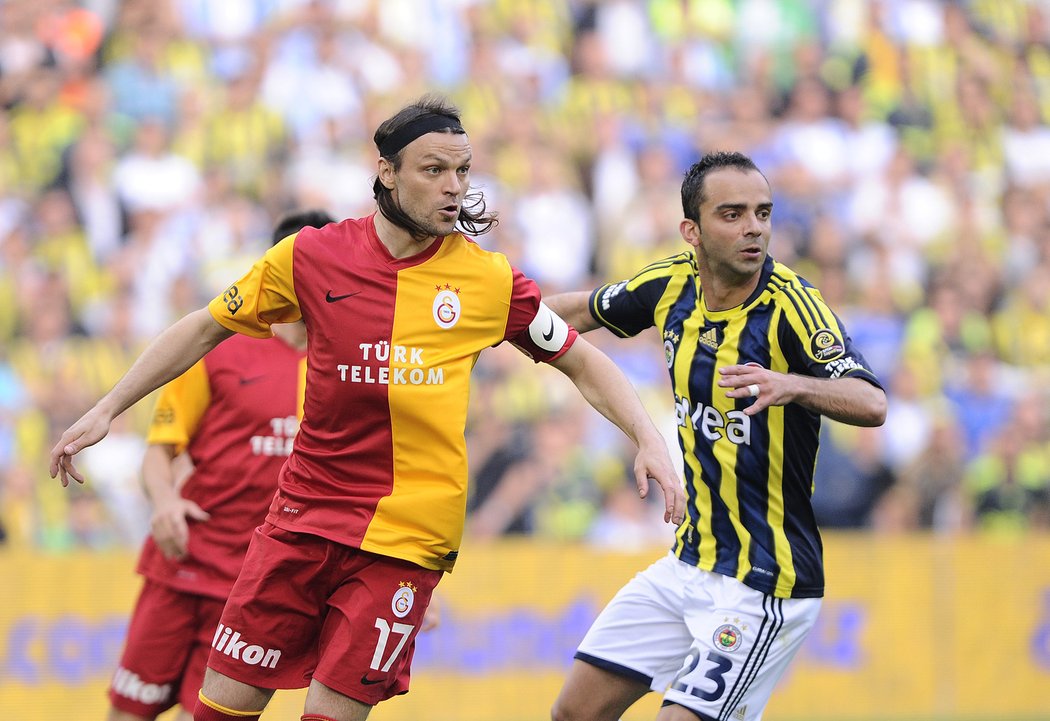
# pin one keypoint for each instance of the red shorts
(304, 607)
(166, 650)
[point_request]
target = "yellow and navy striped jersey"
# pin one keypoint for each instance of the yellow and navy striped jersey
(749, 479)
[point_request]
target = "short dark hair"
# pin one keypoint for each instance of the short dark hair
(295, 220)
(472, 216)
(693, 183)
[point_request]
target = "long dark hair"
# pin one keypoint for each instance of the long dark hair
(473, 220)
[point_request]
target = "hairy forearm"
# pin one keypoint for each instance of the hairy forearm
(168, 356)
(607, 389)
(574, 309)
(848, 400)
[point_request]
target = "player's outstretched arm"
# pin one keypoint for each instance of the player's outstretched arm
(606, 388)
(165, 358)
(573, 308)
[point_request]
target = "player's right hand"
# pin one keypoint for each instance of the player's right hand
(170, 530)
(89, 430)
(654, 464)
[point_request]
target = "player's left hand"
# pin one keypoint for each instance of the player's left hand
(767, 387)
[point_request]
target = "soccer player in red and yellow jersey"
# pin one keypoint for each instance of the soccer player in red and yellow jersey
(370, 506)
(234, 414)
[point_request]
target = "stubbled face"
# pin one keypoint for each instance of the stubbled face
(432, 181)
(733, 236)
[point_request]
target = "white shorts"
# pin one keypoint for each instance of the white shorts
(704, 640)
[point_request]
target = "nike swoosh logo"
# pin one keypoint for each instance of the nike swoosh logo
(251, 379)
(333, 298)
(365, 681)
(549, 334)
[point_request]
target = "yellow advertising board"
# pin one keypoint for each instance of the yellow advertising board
(912, 628)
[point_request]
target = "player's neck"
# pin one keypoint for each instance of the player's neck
(398, 241)
(722, 294)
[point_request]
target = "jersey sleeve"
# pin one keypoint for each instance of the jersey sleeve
(532, 327)
(264, 296)
(628, 307)
(815, 342)
(179, 408)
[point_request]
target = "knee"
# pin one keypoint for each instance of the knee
(564, 711)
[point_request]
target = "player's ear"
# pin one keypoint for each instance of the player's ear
(386, 173)
(690, 230)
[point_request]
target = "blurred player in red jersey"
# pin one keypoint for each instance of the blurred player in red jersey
(234, 413)
(370, 506)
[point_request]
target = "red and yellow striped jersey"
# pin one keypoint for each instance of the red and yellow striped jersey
(235, 414)
(380, 461)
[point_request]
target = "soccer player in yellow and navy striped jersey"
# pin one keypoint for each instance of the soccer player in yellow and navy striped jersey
(755, 358)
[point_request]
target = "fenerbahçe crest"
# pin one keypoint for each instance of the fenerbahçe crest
(446, 306)
(727, 637)
(404, 599)
(670, 344)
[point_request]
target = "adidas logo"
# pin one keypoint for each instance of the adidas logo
(740, 713)
(710, 338)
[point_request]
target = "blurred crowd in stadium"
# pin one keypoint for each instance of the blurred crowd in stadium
(147, 145)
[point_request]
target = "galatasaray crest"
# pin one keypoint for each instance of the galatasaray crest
(447, 308)
(404, 599)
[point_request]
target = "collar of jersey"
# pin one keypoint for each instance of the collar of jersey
(384, 256)
(756, 295)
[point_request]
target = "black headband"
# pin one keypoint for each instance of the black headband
(422, 125)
